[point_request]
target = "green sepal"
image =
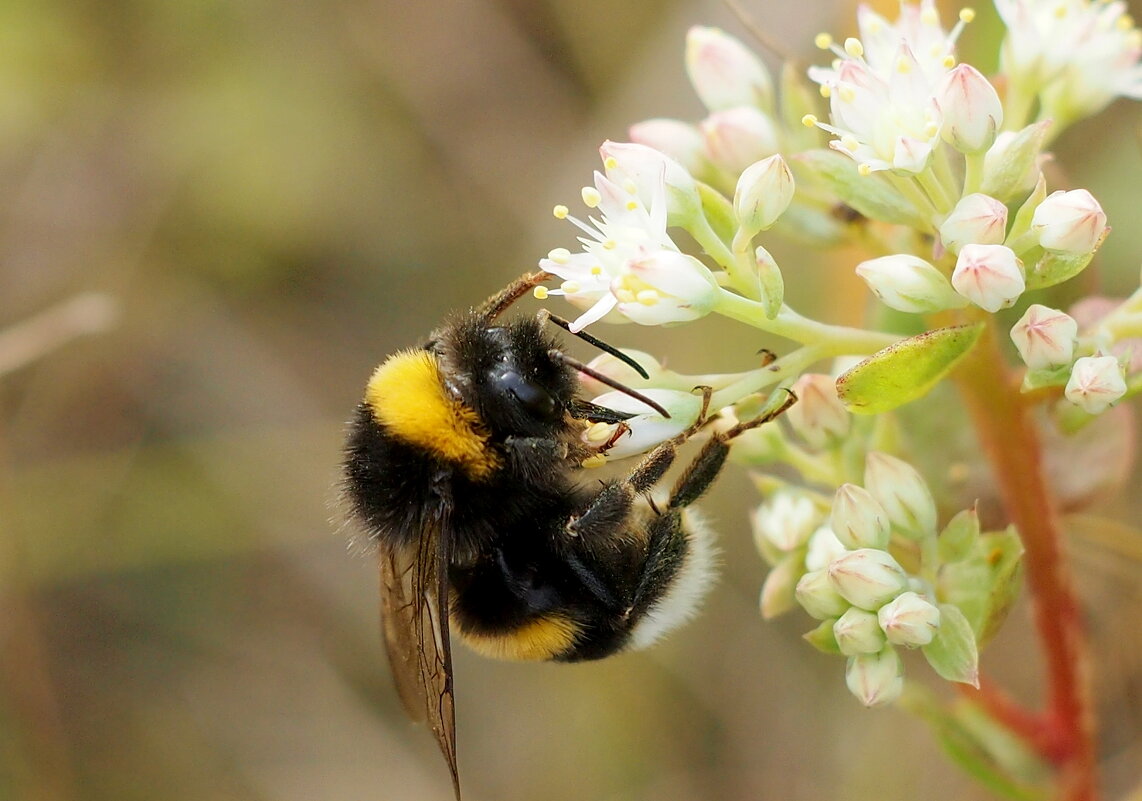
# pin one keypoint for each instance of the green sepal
(718, 210)
(823, 639)
(958, 539)
(770, 282)
(985, 585)
(871, 195)
(1022, 222)
(953, 652)
(1004, 179)
(1054, 268)
(1046, 377)
(905, 370)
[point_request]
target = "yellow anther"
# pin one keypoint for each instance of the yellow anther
(853, 47)
(599, 432)
(610, 244)
(561, 212)
(825, 90)
(624, 295)
(823, 41)
(809, 120)
(591, 196)
(967, 15)
(931, 129)
(540, 293)
(560, 255)
(949, 61)
(1060, 11)
(632, 205)
(570, 287)
(865, 169)
(630, 187)
(849, 143)
(610, 162)
(596, 270)
(929, 16)
(1125, 22)
(596, 460)
(648, 297)
(848, 94)
(903, 66)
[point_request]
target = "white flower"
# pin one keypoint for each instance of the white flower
(645, 172)
(736, 137)
(679, 140)
(1069, 222)
(664, 286)
(785, 521)
(1045, 337)
(647, 428)
(990, 276)
(882, 90)
(908, 283)
(724, 72)
(1096, 383)
(1079, 54)
(977, 219)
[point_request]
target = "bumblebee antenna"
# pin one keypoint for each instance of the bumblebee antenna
(546, 316)
(751, 25)
(559, 355)
(498, 303)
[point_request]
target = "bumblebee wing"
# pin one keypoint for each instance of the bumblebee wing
(414, 594)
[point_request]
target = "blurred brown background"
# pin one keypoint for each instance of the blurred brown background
(276, 195)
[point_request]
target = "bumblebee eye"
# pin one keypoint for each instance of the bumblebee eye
(534, 398)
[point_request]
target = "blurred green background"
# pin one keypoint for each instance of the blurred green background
(275, 195)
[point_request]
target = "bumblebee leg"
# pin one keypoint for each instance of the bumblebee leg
(611, 506)
(708, 463)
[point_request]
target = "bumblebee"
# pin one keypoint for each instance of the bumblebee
(462, 463)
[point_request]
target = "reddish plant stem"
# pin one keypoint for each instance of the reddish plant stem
(1011, 442)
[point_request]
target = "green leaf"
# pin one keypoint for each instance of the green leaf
(958, 539)
(906, 370)
(871, 195)
(953, 653)
(1054, 268)
(985, 585)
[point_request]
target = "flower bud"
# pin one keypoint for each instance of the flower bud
(763, 193)
(976, 219)
(824, 547)
(679, 140)
(909, 620)
(1069, 222)
(990, 276)
(971, 109)
(724, 72)
(817, 595)
(1011, 166)
(1045, 337)
(647, 428)
(777, 593)
(818, 417)
(875, 679)
(1096, 382)
(858, 632)
(785, 521)
(857, 519)
(902, 492)
(665, 286)
(868, 578)
(613, 367)
(909, 284)
(736, 137)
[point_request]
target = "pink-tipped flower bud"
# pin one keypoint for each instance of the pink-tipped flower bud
(824, 547)
(736, 137)
(817, 595)
(972, 112)
(868, 578)
(679, 140)
(858, 632)
(990, 276)
(613, 367)
(724, 72)
(1096, 383)
(909, 284)
(875, 679)
(977, 219)
(909, 620)
(1069, 222)
(818, 417)
(902, 493)
(857, 519)
(763, 193)
(1045, 337)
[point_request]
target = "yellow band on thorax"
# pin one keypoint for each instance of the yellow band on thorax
(408, 397)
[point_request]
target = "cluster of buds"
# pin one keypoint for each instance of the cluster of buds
(843, 562)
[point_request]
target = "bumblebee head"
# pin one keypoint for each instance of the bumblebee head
(507, 375)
